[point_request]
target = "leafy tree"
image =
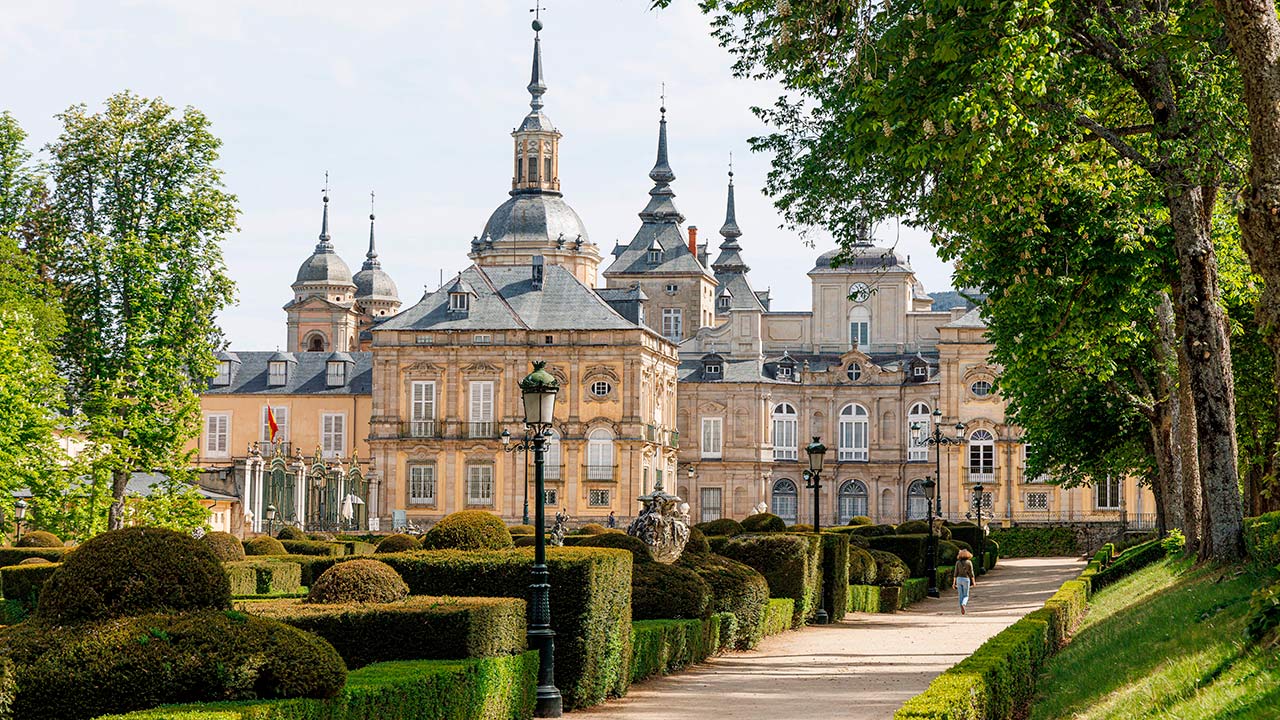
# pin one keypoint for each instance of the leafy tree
(172, 503)
(138, 215)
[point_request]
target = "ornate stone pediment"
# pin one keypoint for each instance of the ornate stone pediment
(596, 372)
(423, 367)
(481, 368)
(711, 406)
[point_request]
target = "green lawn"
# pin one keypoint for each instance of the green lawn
(1164, 642)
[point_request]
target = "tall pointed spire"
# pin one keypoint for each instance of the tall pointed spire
(661, 172)
(729, 231)
(326, 242)
(660, 207)
(537, 87)
(730, 260)
(371, 261)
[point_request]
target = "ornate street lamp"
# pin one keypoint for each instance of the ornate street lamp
(931, 547)
(933, 488)
(19, 512)
(813, 481)
(977, 514)
(271, 519)
(539, 392)
(520, 446)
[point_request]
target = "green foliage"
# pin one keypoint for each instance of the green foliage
(313, 547)
(1135, 558)
(668, 592)
(76, 672)
(35, 561)
(779, 616)
(1034, 542)
(134, 571)
(39, 539)
(873, 530)
(171, 503)
(264, 545)
(791, 564)
(921, 527)
(358, 581)
(1174, 543)
(910, 549)
(640, 552)
(697, 543)
(23, 583)
(1262, 539)
(862, 567)
(1264, 613)
(736, 589)
(521, 529)
(312, 566)
(416, 628)
(890, 570)
(835, 574)
(913, 591)
(398, 543)
(13, 556)
(859, 520)
(262, 577)
(590, 529)
(764, 523)
(225, 546)
(801, 528)
(666, 646)
(590, 605)
(865, 598)
(289, 532)
(947, 552)
(496, 688)
(722, 527)
(468, 530)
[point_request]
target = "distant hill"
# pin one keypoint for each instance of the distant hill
(955, 299)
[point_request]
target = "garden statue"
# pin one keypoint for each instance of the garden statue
(759, 509)
(559, 528)
(663, 524)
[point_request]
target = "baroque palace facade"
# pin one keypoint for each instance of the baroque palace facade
(675, 371)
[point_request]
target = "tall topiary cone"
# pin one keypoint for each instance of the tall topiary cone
(131, 572)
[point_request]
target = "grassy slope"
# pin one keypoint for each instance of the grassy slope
(1179, 653)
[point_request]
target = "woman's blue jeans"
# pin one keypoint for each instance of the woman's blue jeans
(962, 587)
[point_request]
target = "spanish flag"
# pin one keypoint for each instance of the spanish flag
(271, 423)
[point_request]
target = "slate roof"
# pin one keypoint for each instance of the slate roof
(861, 256)
(306, 375)
(971, 319)
(506, 300)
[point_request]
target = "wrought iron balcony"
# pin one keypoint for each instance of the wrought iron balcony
(482, 430)
(420, 429)
(601, 472)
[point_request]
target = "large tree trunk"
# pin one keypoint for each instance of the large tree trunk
(1208, 353)
(1164, 429)
(115, 514)
(1188, 466)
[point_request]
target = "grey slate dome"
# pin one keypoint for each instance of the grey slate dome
(542, 218)
(372, 282)
(862, 256)
(324, 266)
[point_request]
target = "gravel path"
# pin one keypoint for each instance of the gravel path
(864, 667)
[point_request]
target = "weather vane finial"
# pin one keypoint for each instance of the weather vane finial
(730, 163)
(537, 15)
(663, 97)
(370, 204)
(326, 186)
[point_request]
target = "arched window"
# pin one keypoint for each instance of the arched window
(860, 327)
(853, 500)
(552, 468)
(982, 456)
(600, 455)
(783, 500)
(533, 168)
(917, 501)
(786, 432)
(853, 433)
(917, 448)
(315, 342)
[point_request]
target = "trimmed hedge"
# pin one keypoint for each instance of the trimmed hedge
(1135, 558)
(497, 688)
(1262, 539)
(890, 570)
(736, 589)
(521, 530)
(264, 545)
(398, 543)
(591, 529)
(862, 567)
(79, 671)
(913, 591)
(313, 566)
(225, 546)
(763, 523)
(134, 571)
(697, 543)
(313, 547)
(468, 530)
(1033, 542)
(967, 533)
(910, 549)
(835, 574)
(921, 527)
(359, 581)
(791, 564)
(23, 583)
(40, 539)
(668, 592)
(724, 526)
(779, 616)
(640, 552)
(417, 628)
(590, 605)
(873, 530)
(13, 556)
(665, 646)
(262, 577)
(864, 598)
(289, 532)
(859, 520)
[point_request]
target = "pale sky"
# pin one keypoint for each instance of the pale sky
(416, 100)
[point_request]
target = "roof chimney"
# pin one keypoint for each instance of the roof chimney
(693, 240)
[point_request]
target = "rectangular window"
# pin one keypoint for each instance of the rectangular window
(712, 437)
(217, 435)
(422, 340)
(480, 485)
(546, 172)
(784, 439)
(422, 409)
(1107, 494)
(482, 339)
(709, 505)
(481, 418)
(277, 372)
(336, 374)
(982, 462)
(1037, 501)
(551, 496)
(333, 434)
(422, 484)
(673, 324)
(598, 498)
(224, 373)
(860, 333)
(281, 414)
(533, 168)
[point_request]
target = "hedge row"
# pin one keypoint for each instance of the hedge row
(835, 575)
(312, 566)
(1035, 542)
(261, 577)
(1135, 558)
(865, 598)
(791, 564)
(779, 616)
(14, 555)
(314, 547)
(911, 549)
(913, 591)
(1262, 539)
(736, 589)
(22, 583)
(418, 628)
(497, 688)
(665, 646)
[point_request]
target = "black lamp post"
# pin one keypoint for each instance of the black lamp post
(539, 392)
(813, 481)
(271, 519)
(977, 514)
(934, 436)
(20, 513)
(521, 446)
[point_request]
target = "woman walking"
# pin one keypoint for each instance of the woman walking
(963, 578)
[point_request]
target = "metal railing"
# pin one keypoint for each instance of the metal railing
(419, 429)
(601, 472)
(487, 429)
(267, 449)
(550, 472)
(1142, 521)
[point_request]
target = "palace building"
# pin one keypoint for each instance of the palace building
(676, 371)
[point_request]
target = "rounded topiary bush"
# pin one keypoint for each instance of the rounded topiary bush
(873, 530)
(764, 522)
(735, 588)
(75, 672)
(398, 543)
(35, 561)
(39, 539)
(862, 567)
(727, 527)
(861, 541)
(520, 530)
(697, 542)
(225, 546)
(890, 570)
(468, 530)
(640, 552)
(134, 571)
(801, 527)
(921, 527)
(948, 551)
(668, 592)
(358, 581)
(962, 544)
(859, 520)
(591, 529)
(264, 545)
(289, 532)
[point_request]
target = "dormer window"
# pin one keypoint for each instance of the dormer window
(920, 373)
(459, 302)
(224, 373)
(277, 372)
(784, 372)
(655, 256)
(335, 373)
(713, 371)
(723, 302)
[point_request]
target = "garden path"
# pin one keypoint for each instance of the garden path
(862, 668)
